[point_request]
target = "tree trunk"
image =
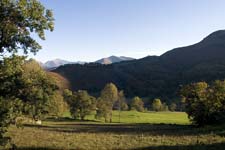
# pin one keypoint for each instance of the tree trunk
(110, 115)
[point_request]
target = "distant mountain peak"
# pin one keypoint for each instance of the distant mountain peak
(51, 64)
(113, 59)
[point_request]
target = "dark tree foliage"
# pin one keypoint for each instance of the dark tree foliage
(4, 122)
(205, 103)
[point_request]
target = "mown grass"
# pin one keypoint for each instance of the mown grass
(134, 133)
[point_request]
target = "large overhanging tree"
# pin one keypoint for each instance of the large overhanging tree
(20, 22)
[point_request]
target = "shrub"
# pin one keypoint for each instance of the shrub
(204, 103)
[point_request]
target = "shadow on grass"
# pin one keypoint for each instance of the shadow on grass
(151, 129)
(35, 148)
(215, 146)
(67, 119)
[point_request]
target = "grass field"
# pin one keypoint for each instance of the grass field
(164, 130)
(147, 117)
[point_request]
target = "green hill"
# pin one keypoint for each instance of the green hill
(154, 76)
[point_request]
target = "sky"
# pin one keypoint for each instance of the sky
(86, 30)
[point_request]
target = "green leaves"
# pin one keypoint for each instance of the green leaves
(80, 102)
(109, 95)
(10, 109)
(27, 81)
(25, 88)
(20, 18)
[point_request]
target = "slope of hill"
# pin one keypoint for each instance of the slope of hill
(113, 59)
(155, 76)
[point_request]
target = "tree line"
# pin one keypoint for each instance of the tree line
(82, 104)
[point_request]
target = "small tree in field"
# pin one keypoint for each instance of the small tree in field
(137, 104)
(109, 95)
(84, 104)
(103, 109)
(80, 103)
(157, 105)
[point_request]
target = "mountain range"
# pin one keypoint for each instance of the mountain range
(52, 64)
(154, 76)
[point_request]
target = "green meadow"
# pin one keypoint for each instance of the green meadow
(145, 117)
(136, 130)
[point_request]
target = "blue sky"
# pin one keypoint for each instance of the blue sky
(87, 30)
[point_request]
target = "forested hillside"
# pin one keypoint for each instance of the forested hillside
(154, 76)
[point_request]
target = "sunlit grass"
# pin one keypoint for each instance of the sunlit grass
(144, 117)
